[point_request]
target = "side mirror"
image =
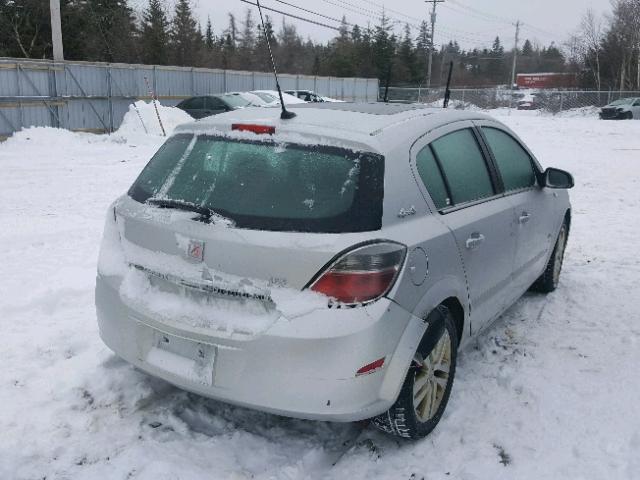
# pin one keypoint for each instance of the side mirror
(556, 178)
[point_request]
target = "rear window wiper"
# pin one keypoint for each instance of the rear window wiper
(205, 212)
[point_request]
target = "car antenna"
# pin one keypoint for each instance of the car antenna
(285, 114)
(447, 92)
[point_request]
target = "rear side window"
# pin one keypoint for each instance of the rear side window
(514, 163)
(464, 167)
(214, 103)
(432, 178)
(196, 103)
(268, 186)
(234, 100)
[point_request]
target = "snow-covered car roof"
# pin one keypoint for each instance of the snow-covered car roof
(288, 99)
(251, 97)
(375, 126)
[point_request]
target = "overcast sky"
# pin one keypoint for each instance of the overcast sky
(471, 22)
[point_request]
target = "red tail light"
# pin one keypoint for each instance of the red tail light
(370, 368)
(259, 129)
(363, 274)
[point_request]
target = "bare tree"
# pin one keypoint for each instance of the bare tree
(626, 25)
(591, 34)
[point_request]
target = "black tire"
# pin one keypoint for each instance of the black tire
(629, 116)
(402, 419)
(548, 281)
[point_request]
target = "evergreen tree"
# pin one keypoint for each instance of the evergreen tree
(407, 58)
(247, 42)
(383, 48)
(209, 39)
(262, 61)
(186, 42)
(342, 52)
(290, 49)
(111, 31)
(496, 70)
(154, 35)
(232, 30)
(25, 29)
(527, 49)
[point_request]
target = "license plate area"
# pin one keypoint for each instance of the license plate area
(184, 358)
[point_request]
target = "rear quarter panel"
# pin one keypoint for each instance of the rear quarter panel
(445, 276)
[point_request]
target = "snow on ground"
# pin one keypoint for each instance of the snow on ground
(549, 391)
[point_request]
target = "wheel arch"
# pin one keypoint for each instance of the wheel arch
(449, 292)
(457, 310)
(452, 293)
(567, 218)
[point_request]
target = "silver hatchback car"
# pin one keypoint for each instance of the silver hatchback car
(328, 266)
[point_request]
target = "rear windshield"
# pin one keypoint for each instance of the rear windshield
(622, 101)
(267, 185)
(235, 100)
(266, 96)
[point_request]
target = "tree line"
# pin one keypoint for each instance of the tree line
(604, 53)
(606, 50)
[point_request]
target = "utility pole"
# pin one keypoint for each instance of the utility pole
(56, 31)
(432, 42)
(518, 24)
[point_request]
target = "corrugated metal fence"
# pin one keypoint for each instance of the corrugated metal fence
(95, 96)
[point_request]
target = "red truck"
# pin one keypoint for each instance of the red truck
(547, 80)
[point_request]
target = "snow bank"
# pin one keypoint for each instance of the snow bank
(580, 112)
(141, 119)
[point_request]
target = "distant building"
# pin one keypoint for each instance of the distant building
(547, 80)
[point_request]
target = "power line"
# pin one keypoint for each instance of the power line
(445, 34)
(293, 16)
(351, 10)
(495, 18)
(379, 5)
(482, 13)
(362, 9)
(314, 13)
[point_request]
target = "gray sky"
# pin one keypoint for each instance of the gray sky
(471, 22)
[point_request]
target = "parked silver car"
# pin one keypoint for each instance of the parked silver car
(329, 266)
(622, 109)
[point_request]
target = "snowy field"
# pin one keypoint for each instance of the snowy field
(551, 391)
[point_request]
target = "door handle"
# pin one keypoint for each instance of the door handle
(474, 241)
(524, 218)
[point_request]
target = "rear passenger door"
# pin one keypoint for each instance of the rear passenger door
(536, 215)
(460, 185)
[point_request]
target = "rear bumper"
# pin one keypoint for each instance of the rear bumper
(303, 368)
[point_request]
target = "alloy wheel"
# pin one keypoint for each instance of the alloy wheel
(431, 379)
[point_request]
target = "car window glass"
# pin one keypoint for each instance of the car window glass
(514, 163)
(431, 177)
(637, 103)
(464, 166)
(214, 103)
(267, 185)
(195, 103)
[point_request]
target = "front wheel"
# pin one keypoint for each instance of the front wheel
(427, 386)
(548, 281)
